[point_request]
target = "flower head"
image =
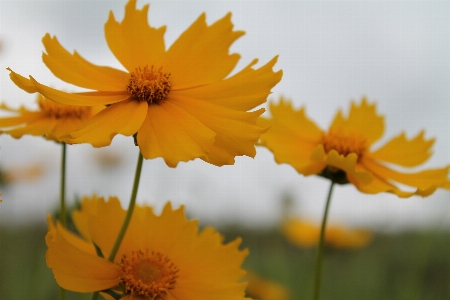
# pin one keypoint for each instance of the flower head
(343, 153)
(52, 120)
(306, 234)
(161, 257)
(180, 102)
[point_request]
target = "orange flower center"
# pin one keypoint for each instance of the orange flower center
(149, 84)
(344, 144)
(148, 274)
(57, 110)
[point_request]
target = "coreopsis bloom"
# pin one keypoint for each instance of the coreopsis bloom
(161, 257)
(51, 120)
(181, 102)
(264, 289)
(343, 153)
(306, 234)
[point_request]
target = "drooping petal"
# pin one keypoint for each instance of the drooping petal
(200, 54)
(404, 152)
(236, 131)
(348, 164)
(242, 91)
(133, 42)
(74, 69)
(422, 181)
(125, 118)
(362, 121)
(22, 82)
(173, 134)
(82, 99)
(77, 270)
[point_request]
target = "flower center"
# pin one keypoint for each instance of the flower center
(148, 274)
(57, 110)
(344, 144)
(149, 84)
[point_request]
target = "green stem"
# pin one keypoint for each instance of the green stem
(128, 216)
(62, 203)
(62, 197)
(319, 257)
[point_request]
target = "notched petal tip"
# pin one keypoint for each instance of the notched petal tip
(22, 82)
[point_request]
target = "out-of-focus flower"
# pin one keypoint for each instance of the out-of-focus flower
(108, 159)
(263, 289)
(52, 120)
(161, 257)
(22, 173)
(343, 153)
(180, 102)
(306, 234)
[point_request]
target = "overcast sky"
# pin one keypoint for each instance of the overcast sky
(395, 53)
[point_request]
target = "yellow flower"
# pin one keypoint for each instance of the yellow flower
(306, 234)
(161, 257)
(263, 289)
(52, 120)
(344, 154)
(178, 101)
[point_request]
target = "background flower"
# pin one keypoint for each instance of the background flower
(52, 120)
(343, 153)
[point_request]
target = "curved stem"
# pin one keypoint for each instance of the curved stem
(319, 257)
(128, 216)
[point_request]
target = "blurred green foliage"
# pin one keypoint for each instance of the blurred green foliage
(398, 266)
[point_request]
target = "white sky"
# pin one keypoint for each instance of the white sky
(395, 52)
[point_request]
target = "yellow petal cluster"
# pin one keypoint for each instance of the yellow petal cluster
(306, 234)
(343, 153)
(52, 120)
(181, 102)
(161, 257)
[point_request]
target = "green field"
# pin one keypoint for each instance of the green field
(398, 266)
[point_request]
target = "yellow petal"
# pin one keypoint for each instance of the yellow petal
(77, 270)
(26, 117)
(125, 118)
(348, 165)
(243, 91)
(173, 134)
(203, 48)
(404, 152)
(422, 181)
(22, 82)
(362, 121)
(82, 99)
(236, 131)
(133, 42)
(39, 127)
(74, 69)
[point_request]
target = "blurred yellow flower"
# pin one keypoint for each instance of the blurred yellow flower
(161, 257)
(21, 173)
(306, 234)
(181, 102)
(52, 120)
(263, 289)
(343, 153)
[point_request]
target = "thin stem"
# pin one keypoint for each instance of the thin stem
(319, 257)
(62, 197)
(128, 216)
(62, 203)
